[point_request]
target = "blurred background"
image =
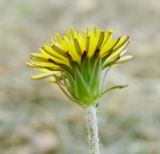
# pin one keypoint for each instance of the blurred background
(36, 118)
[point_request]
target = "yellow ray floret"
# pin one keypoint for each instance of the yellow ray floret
(74, 46)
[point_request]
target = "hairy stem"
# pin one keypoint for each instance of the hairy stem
(93, 138)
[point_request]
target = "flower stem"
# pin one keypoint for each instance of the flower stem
(93, 138)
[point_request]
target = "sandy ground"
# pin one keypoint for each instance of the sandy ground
(36, 118)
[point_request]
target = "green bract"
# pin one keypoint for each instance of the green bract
(84, 83)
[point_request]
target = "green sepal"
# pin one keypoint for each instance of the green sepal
(95, 81)
(81, 89)
(112, 88)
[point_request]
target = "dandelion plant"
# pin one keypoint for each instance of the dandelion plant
(76, 62)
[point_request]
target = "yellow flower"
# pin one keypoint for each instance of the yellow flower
(75, 62)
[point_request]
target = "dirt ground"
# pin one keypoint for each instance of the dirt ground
(36, 118)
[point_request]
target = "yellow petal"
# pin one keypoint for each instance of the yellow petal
(42, 75)
(70, 47)
(92, 45)
(77, 47)
(124, 59)
(101, 39)
(39, 57)
(107, 38)
(45, 70)
(109, 46)
(123, 40)
(42, 65)
(118, 50)
(46, 49)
